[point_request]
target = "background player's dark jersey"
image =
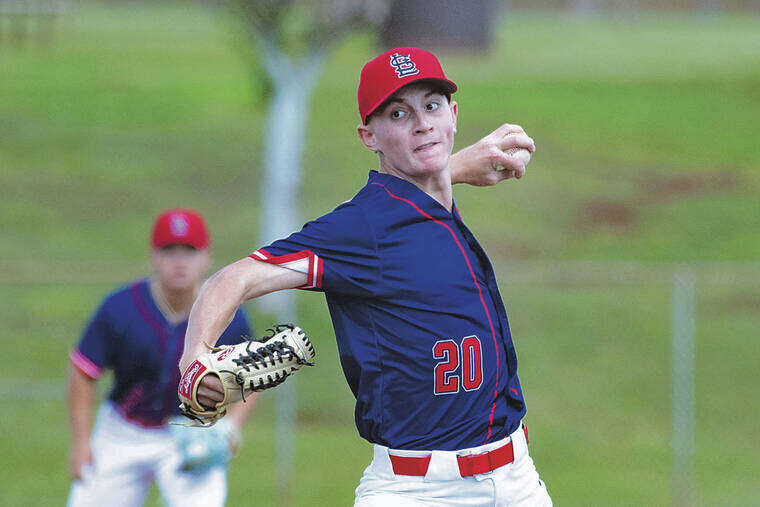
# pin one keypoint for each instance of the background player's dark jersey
(129, 335)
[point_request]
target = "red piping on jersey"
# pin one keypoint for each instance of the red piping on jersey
(480, 293)
(84, 364)
(313, 271)
(149, 319)
(130, 401)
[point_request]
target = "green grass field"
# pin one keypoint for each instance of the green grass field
(648, 158)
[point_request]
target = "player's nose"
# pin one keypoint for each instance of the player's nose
(422, 123)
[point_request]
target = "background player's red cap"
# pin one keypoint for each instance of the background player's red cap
(382, 76)
(180, 226)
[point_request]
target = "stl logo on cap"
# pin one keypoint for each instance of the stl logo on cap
(403, 65)
(179, 225)
(382, 76)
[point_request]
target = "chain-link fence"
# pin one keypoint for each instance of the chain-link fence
(646, 369)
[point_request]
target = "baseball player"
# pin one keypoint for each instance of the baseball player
(138, 333)
(422, 332)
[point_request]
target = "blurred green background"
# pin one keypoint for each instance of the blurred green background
(648, 161)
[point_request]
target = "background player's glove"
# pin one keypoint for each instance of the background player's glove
(204, 448)
(244, 368)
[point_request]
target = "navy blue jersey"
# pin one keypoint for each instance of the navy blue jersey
(129, 335)
(422, 332)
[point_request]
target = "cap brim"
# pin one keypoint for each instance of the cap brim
(450, 86)
(164, 244)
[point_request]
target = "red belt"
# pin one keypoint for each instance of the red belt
(468, 465)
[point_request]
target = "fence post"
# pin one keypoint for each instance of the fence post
(682, 440)
(286, 406)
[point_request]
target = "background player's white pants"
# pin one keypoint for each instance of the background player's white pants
(127, 458)
(515, 484)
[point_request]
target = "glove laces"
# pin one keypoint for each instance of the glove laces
(258, 359)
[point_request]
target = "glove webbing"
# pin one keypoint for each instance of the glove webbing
(256, 358)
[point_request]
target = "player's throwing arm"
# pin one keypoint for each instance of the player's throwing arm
(212, 379)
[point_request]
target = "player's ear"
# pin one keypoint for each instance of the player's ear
(454, 112)
(206, 259)
(367, 137)
(153, 258)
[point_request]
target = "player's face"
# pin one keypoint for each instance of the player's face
(180, 267)
(414, 134)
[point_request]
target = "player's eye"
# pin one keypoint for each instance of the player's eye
(397, 114)
(432, 106)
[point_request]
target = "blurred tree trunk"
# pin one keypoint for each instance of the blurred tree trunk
(292, 84)
(292, 38)
(442, 24)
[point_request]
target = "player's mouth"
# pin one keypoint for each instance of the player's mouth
(426, 146)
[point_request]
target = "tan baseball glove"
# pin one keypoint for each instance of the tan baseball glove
(247, 367)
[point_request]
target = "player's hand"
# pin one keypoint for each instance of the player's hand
(81, 454)
(486, 163)
(210, 391)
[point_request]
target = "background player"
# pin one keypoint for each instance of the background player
(422, 331)
(138, 332)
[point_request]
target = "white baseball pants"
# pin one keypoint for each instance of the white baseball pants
(127, 458)
(514, 484)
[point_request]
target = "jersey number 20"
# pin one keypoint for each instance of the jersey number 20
(448, 372)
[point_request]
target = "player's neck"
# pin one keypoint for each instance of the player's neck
(436, 185)
(174, 304)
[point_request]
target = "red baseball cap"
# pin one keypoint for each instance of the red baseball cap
(382, 76)
(180, 226)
